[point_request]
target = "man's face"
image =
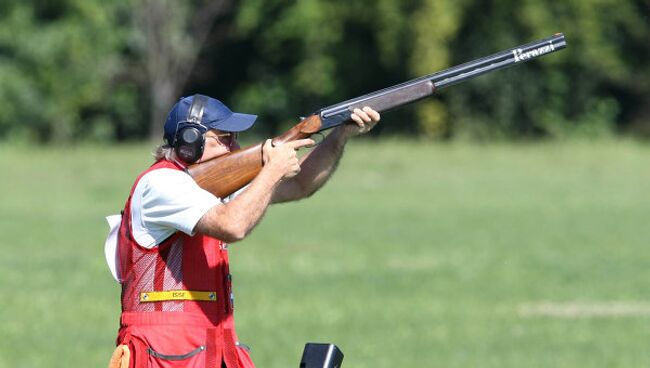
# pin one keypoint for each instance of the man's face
(218, 143)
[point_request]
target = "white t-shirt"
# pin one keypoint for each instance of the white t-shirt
(164, 201)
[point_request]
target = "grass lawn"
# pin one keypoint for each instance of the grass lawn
(414, 255)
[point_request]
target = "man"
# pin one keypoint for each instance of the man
(168, 249)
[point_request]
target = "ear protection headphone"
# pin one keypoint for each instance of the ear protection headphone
(189, 141)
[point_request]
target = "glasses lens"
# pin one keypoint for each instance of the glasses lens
(226, 139)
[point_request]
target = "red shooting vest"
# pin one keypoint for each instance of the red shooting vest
(177, 306)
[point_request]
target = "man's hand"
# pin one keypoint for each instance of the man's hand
(282, 159)
(363, 120)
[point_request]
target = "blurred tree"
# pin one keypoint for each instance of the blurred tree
(57, 64)
(169, 37)
(435, 25)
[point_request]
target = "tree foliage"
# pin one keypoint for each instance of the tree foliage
(59, 61)
(582, 90)
(311, 53)
(73, 69)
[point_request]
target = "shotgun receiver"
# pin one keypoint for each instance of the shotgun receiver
(226, 174)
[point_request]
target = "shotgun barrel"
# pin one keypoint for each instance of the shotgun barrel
(419, 88)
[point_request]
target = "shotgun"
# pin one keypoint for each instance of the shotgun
(226, 174)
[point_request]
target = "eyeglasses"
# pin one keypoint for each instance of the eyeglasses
(226, 139)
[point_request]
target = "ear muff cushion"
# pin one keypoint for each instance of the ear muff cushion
(189, 141)
(189, 144)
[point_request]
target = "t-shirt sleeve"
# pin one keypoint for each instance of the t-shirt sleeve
(166, 201)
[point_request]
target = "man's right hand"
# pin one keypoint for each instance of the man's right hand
(282, 159)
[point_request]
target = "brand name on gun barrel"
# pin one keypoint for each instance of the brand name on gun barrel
(520, 55)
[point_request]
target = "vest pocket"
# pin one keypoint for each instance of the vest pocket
(175, 357)
(192, 358)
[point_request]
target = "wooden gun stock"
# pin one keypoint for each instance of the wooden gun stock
(226, 174)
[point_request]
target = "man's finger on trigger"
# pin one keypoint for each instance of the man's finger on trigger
(300, 143)
(265, 150)
(266, 146)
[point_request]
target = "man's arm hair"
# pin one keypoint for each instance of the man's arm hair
(319, 164)
(316, 166)
(234, 220)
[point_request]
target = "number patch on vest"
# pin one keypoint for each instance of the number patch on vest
(161, 296)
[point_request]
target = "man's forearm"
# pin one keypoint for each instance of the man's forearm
(317, 167)
(234, 220)
(319, 164)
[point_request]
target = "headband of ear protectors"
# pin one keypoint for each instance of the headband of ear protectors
(188, 140)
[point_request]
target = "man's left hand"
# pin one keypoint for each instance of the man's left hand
(363, 120)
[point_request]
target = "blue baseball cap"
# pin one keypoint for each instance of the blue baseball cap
(216, 115)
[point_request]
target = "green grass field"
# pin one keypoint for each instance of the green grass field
(414, 255)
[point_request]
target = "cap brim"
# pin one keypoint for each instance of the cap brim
(235, 123)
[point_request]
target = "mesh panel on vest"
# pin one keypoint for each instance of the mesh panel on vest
(144, 266)
(173, 275)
